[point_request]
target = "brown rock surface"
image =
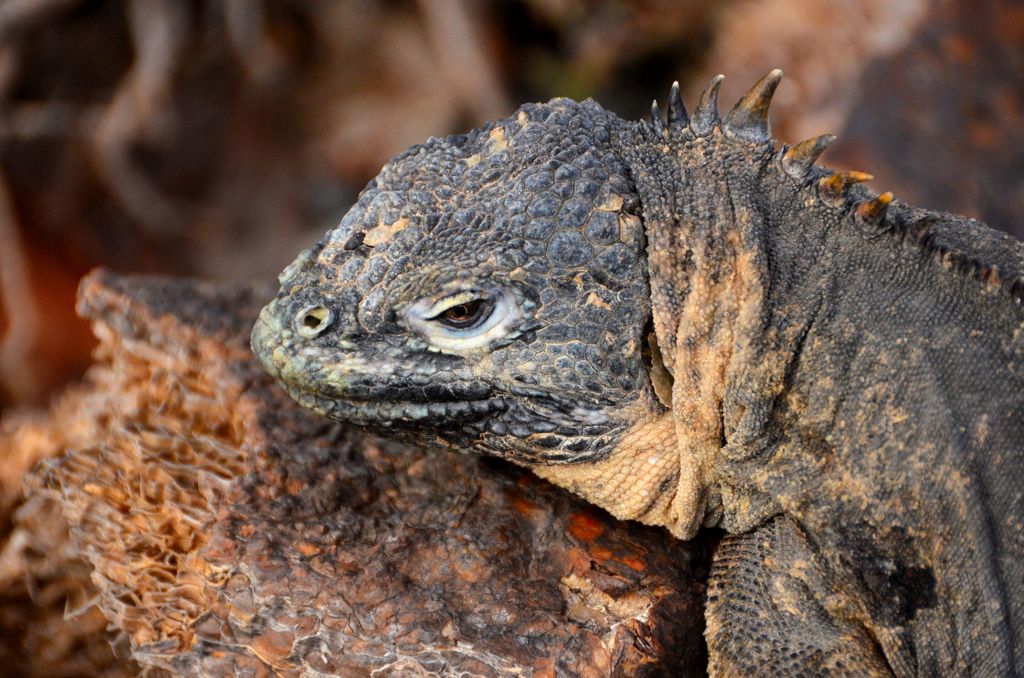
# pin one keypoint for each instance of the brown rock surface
(228, 531)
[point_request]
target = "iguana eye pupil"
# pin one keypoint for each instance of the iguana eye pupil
(464, 315)
(466, 319)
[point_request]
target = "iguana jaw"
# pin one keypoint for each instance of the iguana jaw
(333, 383)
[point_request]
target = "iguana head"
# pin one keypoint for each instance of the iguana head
(488, 291)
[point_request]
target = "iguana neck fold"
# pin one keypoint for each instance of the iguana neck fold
(732, 300)
(636, 481)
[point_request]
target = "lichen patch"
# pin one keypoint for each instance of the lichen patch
(594, 300)
(497, 140)
(379, 235)
(611, 203)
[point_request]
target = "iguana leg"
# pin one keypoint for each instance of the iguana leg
(770, 611)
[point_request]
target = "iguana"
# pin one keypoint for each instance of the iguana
(690, 326)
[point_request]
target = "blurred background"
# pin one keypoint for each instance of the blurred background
(217, 139)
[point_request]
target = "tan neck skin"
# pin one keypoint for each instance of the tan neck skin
(663, 471)
(646, 477)
(638, 481)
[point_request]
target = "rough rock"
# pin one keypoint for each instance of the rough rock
(228, 531)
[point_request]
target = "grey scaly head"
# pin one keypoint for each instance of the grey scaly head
(487, 291)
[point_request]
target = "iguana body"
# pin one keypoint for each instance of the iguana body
(834, 378)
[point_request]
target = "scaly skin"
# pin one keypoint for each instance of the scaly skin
(689, 326)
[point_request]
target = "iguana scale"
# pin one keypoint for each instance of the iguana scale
(691, 326)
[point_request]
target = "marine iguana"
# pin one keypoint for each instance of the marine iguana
(691, 326)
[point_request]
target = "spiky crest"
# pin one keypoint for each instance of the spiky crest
(705, 116)
(834, 188)
(656, 123)
(873, 211)
(748, 119)
(677, 116)
(870, 215)
(798, 160)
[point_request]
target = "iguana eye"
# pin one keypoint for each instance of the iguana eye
(465, 320)
(465, 315)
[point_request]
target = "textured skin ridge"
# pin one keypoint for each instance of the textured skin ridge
(994, 261)
(992, 265)
(839, 375)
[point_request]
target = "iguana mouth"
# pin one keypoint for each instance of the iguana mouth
(387, 413)
(349, 388)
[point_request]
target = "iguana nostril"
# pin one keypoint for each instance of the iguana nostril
(313, 321)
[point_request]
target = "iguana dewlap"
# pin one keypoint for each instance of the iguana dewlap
(690, 326)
